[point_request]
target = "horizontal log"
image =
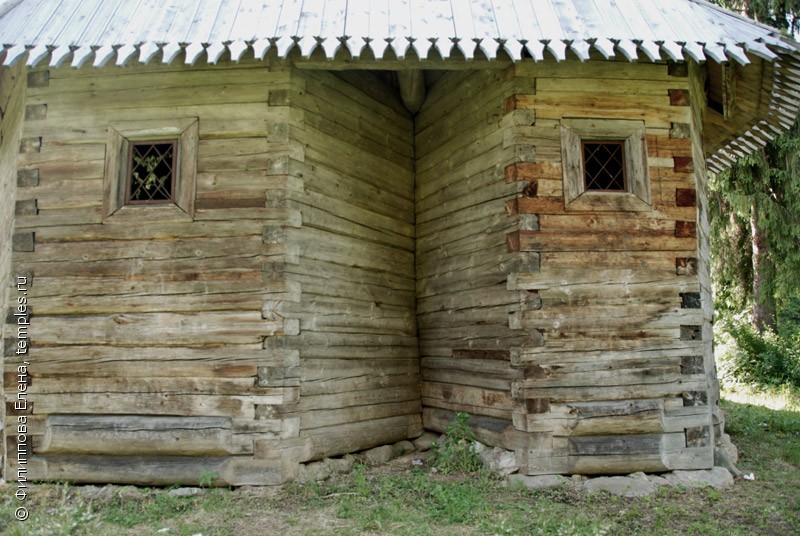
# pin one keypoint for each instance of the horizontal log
(366, 397)
(620, 392)
(609, 86)
(311, 420)
(179, 386)
(144, 249)
(234, 361)
(460, 378)
(469, 395)
(164, 329)
(139, 436)
(344, 438)
(621, 240)
(163, 285)
(454, 406)
(366, 381)
(562, 277)
(157, 404)
(654, 110)
(154, 470)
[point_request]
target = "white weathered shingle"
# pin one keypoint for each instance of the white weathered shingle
(96, 32)
(653, 29)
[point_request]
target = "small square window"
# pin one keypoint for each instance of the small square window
(151, 168)
(151, 175)
(604, 166)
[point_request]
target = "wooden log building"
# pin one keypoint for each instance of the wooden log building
(242, 235)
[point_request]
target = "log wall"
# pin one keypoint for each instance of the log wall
(352, 264)
(612, 371)
(619, 381)
(148, 327)
(468, 319)
(697, 97)
(348, 273)
(12, 108)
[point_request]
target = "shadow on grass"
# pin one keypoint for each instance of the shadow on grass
(763, 435)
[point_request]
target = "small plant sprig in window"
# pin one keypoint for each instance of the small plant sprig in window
(151, 179)
(151, 171)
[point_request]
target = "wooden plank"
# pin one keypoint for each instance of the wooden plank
(562, 277)
(472, 378)
(330, 247)
(655, 111)
(356, 209)
(155, 404)
(368, 379)
(587, 318)
(611, 86)
(231, 361)
(184, 268)
(158, 95)
(149, 231)
(624, 392)
(377, 395)
(167, 329)
(143, 249)
(312, 420)
(153, 470)
(571, 68)
(343, 438)
(132, 435)
(347, 186)
(342, 156)
(360, 228)
(578, 348)
(156, 303)
(645, 261)
(52, 385)
(165, 285)
(600, 360)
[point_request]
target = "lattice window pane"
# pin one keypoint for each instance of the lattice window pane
(604, 166)
(151, 178)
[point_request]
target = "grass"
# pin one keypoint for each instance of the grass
(397, 499)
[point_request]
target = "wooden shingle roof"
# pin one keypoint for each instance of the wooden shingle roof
(100, 32)
(107, 30)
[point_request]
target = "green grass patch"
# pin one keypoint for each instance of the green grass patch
(400, 500)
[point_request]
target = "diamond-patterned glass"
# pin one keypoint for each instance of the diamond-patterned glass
(152, 172)
(604, 166)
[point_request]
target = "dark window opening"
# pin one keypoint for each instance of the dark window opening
(715, 89)
(604, 166)
(151, 175)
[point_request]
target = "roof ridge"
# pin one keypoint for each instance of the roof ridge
(8, 5)
(706, 3)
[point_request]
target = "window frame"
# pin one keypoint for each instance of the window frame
(631, 133)
(184, 132)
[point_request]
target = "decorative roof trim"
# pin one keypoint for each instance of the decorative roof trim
(364, 49)
(120, 32)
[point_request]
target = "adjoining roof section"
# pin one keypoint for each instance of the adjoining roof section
(119, 30)
(100, 32)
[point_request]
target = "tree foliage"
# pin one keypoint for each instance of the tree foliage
(762, 189)
(755, 207)
(781, 14)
